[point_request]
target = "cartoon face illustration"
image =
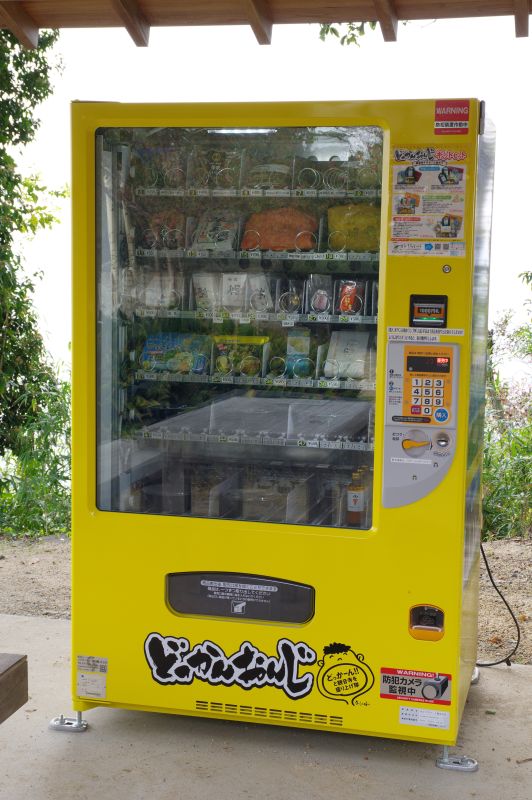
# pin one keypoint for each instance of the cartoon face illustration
(343, 673)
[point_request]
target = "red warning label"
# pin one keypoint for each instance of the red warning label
(451, 117)
(416, 686)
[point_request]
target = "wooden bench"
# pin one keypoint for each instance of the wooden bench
(13, 684)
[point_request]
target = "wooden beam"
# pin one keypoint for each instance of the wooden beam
(387, 16)
(260, 20)
(17, 20)
(521, 17)
(134, 21)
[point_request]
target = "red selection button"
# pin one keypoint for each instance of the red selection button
(415, 409)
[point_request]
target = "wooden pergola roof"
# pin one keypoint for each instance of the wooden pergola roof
(24, 18)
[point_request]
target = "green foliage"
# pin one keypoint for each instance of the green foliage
(35, 484)
(348, 33)
(34, 402)
(507, 476)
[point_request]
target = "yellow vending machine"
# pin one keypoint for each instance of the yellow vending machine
(279, 346)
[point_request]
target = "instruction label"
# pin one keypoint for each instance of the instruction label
(432, 688)
(428, 201)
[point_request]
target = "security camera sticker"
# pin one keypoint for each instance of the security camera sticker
(416, 686)
(344, 674)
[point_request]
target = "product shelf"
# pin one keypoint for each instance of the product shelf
(257, 255)
(162, 434)
(247, 317)
(268, 381)
(337, 194)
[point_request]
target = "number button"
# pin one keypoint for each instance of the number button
(438, 392)
(416, 392)
(427, 392)
(416, 401)
(438, 383)
(427, 411)
(427, 381)
(417, 382)
(438, 401)
(427, 401)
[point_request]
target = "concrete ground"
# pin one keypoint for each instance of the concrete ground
(143, 756)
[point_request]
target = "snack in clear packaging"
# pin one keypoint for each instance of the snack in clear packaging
(206, 290)
(176, 352)
(319, 294)
(355, 227)
(233, 290)
(350, 296)
(269, 176)
(297, 350)
(347, 355)
(280, 229)
(216, 230)
(260, 298)
(216, 169)
(290, 296)
(161, 230)
(239, 355)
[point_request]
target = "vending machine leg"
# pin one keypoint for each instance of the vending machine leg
(77, 725)
(475, 677)
(460, 763)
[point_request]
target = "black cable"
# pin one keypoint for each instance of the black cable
(506, 659)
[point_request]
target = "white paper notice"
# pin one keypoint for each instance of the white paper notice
(424, 717)
(92, 677)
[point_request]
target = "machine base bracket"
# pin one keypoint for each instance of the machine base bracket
(475, 677)
(459, 763)
(77, 725)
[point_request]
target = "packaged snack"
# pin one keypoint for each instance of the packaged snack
(280, 229)
(319, 294)
(176, 352)
(259, 293)
(216, 230)
(161, 230)
(355, 227)
(233, 290)
(298, 363)
(350, 297)
(206, 290)
(269, 176)
(289, 296)
(239, 355)
(216, 169)
(347, 355)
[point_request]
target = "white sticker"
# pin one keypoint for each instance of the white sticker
(424, 717)
(92, 676)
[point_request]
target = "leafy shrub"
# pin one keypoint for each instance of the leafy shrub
(35, 483)
(507, 476)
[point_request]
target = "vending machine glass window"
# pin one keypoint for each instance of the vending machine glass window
(237, 288)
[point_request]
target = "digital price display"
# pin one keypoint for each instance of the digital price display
(428, 311)
(428, 364)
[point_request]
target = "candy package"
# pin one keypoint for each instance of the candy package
(240, 355)
(176, 352)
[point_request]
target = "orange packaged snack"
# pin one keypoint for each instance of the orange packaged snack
(280, 229)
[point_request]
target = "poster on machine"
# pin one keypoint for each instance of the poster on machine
(428, 202)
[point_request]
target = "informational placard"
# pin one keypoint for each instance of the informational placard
(428, 201)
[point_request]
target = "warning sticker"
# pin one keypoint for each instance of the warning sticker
(451, 117)
(416, 686)
(92, 677)
(424, 717)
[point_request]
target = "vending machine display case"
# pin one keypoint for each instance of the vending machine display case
(280, 316)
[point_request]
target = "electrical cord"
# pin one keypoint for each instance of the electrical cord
(506, 659)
